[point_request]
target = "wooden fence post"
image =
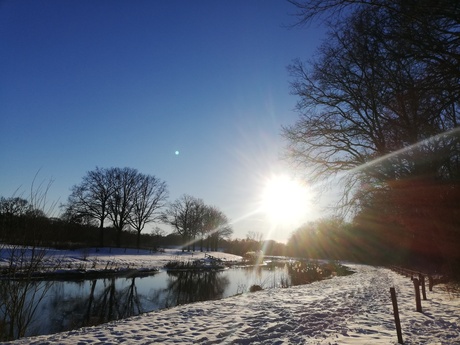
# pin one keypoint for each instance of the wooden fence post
(422, 283)
(418, 303)
(396, 315)
(430, 283)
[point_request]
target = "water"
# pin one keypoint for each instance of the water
(69, 305)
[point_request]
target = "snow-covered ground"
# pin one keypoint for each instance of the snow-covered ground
(354, 309)
(93, 259)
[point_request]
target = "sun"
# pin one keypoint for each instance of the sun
(285, 201)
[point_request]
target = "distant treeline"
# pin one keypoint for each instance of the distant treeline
(365, 239)
(33, 228)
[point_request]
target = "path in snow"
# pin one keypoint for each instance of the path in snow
(355, 309)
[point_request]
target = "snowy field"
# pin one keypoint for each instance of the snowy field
(94, 260)
(354, 309)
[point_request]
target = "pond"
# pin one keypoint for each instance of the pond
(69, 305)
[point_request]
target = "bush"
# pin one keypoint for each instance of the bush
(255, 288)
(305, 272)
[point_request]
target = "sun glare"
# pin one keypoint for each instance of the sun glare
(285, 201)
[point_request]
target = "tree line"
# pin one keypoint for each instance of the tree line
(379, 114)
(328, 238)
(119, 202)
(122, 195)
(129, 198)
(197, 222)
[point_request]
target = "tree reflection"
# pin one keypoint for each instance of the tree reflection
(105, 302)
(191, 286)
(71, 305)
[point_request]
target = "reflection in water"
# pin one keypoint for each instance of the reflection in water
(68, 305)
(191, 286)
(105, 302)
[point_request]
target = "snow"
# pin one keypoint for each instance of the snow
(353, 309)
(94, 259)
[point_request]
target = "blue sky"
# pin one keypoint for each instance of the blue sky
(128, 83)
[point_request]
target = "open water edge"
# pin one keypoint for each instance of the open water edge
(69, 305)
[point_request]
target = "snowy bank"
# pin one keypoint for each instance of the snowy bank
(353, 309)
(105, 261)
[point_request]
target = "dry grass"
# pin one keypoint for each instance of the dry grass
(452, 288)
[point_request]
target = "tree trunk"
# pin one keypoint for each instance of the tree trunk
(118, 238)
(101, 234)
(138, 239)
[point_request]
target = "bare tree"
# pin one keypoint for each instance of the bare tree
(121, 201)
(197, 214)
(215, 227)
(14, 206)
(185, 216)
(89, 199)
(123, 195)
(255, 236)
(366, 97)
(379, 109)
(150, 196)
(12, 213)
